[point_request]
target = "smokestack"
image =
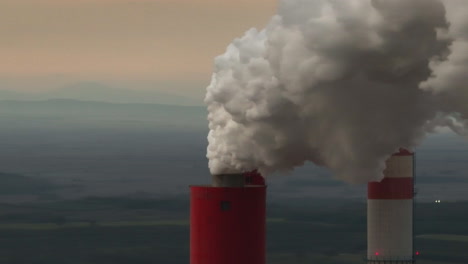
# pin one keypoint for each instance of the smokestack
(227, 220)
(390, 212)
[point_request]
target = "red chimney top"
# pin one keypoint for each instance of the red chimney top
(254, 178)
(403, 152)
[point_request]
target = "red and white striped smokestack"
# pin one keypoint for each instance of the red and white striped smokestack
(390, 213)
(227, 220)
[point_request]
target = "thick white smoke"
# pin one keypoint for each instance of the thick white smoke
(449, 79)
(341, 83)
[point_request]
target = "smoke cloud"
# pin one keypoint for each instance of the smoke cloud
(340, 83)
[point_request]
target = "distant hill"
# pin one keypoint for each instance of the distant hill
(93, 91)
(16, 184)
(92, 113)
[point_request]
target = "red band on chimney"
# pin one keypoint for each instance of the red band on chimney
(227, 225)
(254, 178)
(403, 152)
(391, 189)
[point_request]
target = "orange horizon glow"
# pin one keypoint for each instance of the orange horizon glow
(122, 39)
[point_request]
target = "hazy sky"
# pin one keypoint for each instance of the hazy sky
(46, 44)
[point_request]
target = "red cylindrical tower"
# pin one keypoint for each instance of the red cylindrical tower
(390, 213)
(227, 224)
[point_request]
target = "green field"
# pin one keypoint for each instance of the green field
(444, 237)
(141, 231)
(54, 226)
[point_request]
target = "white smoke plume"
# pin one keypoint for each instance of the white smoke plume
(449, 78)
(341, 83)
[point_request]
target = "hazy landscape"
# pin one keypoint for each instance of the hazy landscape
(103, 127)
(79, 148)
(94, 182)
(141, 230)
